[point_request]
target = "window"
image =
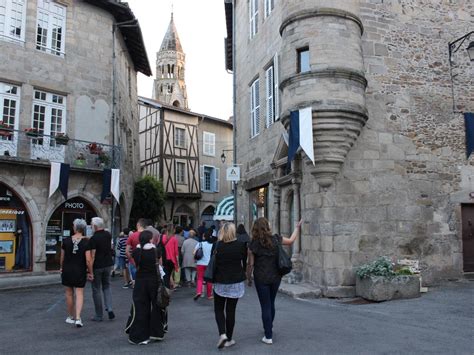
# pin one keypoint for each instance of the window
(303, 60)
(12, 19)
(49, 115)
(180, 137)
(255, 108)
(51, 27)
(9, 108)
(269, 5)
(180, 173)
(209, 146)
(209, 178)
(253, 12)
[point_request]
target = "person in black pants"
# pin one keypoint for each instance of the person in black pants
(229, 281)
(263, 261)
(146, 321)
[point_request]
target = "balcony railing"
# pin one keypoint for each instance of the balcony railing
(80, 154)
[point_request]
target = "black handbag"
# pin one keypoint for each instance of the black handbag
(163, 296)
(211, 267)
(284, 261)
(199, 253)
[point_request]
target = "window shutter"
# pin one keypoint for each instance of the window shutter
(276, 91)
(257, 107)
(201, 170)
(217, 173)
(269, 96)
(213, 144)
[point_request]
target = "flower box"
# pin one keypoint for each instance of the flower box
(95, 148)
(383, 288)
(5, 132)
(61, 139)
(32, 133)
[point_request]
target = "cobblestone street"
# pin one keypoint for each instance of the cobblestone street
(441, 321)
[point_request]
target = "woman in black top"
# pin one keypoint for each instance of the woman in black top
(75, 259)
(146, 318)
(263, 261)
(229, 277)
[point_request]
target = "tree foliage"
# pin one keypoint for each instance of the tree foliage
(148, 200)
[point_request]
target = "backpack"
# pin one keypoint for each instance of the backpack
(162, 247)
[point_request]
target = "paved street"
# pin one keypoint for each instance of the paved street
(32, 321)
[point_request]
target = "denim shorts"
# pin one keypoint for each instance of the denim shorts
(122, 262)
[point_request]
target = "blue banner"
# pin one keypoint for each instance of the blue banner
(294, 137)
(64, 179)
(106, 183)
(469, 123)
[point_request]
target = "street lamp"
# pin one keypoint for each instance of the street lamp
(223, 157)
(453, 47)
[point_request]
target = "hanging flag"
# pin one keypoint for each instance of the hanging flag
(59, 177)
(115, 184)
(110, 184)
(469, 124)
(300, 134)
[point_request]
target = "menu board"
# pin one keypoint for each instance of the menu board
(53, 236)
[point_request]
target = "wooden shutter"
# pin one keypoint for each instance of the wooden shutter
(276, 91)
(257, 106)
(201, 172)
(269, 87)
(217, 173)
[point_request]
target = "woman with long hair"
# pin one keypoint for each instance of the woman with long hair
(263, 261)
(229, 277)
(145, 323)
(76, 268)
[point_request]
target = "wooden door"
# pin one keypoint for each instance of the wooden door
(467, 215)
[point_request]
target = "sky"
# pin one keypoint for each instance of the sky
(201, 29)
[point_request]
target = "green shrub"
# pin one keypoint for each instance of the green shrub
(404, 271)
(381, 267)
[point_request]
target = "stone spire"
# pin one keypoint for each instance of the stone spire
(169, 86)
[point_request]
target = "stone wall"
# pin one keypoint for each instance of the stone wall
(400, 187)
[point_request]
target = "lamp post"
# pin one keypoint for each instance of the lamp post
(453, 47)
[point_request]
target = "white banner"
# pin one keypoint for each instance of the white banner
(306, 132)
(115, 184)
(54, 177)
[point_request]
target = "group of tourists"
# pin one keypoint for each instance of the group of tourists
(152, 260)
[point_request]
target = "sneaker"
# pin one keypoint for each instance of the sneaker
(79, 323)
(229, 343)
(210, 298)
(125, 286)
(196, 297)
(144, 342)
(96, 319)
(222, 341)
(70, 320)
(267, 341)
(111, 315)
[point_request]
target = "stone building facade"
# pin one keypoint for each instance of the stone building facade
(390, 175)
(67, 67)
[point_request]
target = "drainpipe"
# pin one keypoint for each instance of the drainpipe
(234, 119)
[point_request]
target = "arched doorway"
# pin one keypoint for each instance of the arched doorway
(183, 216)
(208, 216)
(60, 226)
(15, 232)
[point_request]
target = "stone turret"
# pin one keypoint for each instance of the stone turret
(331, 81)
(169, 86)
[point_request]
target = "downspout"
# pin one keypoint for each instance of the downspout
(234, 119)
(114, 104)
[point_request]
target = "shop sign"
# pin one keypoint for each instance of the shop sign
(7, 225)
(74, 205)
(5, 198)
(12, 212)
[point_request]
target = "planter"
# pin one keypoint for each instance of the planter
(32, 134)
(61, 141)
(382, 288)
(80, 162)
(4, 132)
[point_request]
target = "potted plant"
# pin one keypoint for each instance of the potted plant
(80, 160)
(95, 148)
(103, 159)
(5, 130)
(61, 138)
(382, 280)
(32, 132)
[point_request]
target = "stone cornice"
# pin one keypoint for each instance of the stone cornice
(305, 14)
(339, 73)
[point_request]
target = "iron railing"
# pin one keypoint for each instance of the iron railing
(80, 154)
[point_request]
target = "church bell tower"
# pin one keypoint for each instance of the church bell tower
(169, 86)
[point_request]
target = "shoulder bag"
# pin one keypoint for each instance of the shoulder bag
(210, 272)
(163, 295)
(199, 253)
(284, 261)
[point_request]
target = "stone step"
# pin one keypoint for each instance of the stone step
(300, 290)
